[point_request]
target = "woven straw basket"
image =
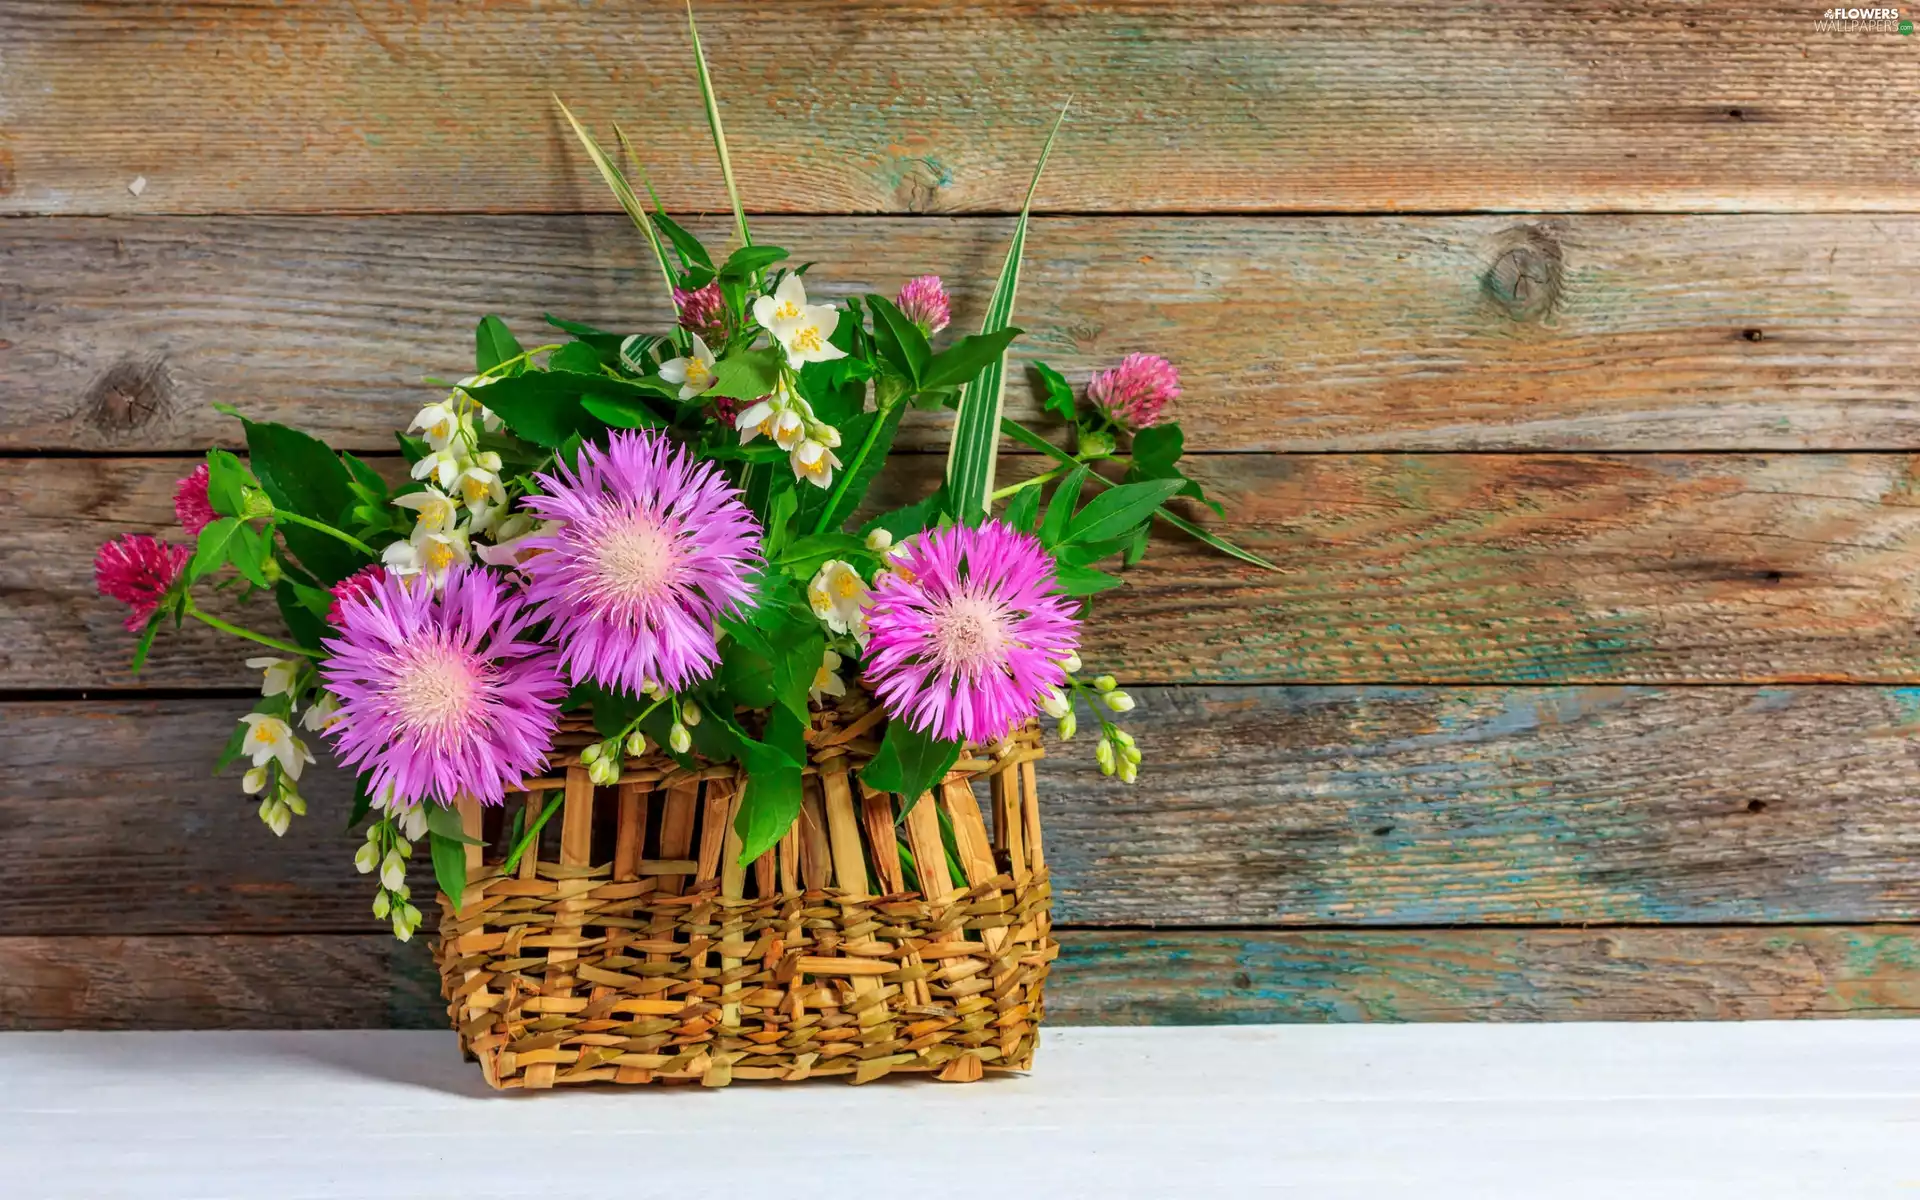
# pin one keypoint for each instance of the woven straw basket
(632, 947)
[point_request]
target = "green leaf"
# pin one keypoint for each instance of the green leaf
(748, 374)
(900, 340)
(1066, 494)
(236, 743)
(449, 866)
(492, 344)
(622, 413)
(774, 774)
(145, 644)
(1084, 581)
(1059, 397)
(211, 552)
(1137, 544)
(545, 407)
(909, 519)
(1024, 511)
(1217, 542)
(908, 763)
(298, 609)
(971, 458)
(365, 476)
(622, 191)
(248, 553)
(692, 253)
(1157, 449)
(1084, 554)
(959, 363)
(805, 555)
(446, 823)
(226, 478)
(743, 263)
(301, 473)
(719, 133)
(1113, 513)
(577, 357)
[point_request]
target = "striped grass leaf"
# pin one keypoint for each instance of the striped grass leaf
(973, 456)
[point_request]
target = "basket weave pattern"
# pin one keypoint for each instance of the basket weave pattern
(642, 952)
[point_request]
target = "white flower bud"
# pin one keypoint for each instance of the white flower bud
(1131, 753)
(254, 781)
(1122, 736)
(1106, 683)
(1103, 754)
(366, 858)
(636, 744)
(590, 755)
(382, 904)
(1128, 772)
(679, 738)
(879, 540)
(1055, 704)
(690, 714)
(413, 822)
(280, 821)
(295, 801)
(393, 869)
(1119, 702)
(652, 690)
(402, 930)
(1069, 725)
(403, 892)
(1071, 662)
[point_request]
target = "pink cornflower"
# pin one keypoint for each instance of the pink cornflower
(138, 571)
(439, 696)
(967, 633)
(353, 587)
(924, 302)
(1134, 393)
(654, 547)
(190, 503)
(703, 311)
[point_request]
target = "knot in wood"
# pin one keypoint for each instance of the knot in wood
(1527, 274)
(130, 396)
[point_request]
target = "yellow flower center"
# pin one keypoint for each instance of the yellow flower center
(475, 490)
(787, 310)
(435, 512)
(263, 733)
(697, 373)
(440, 556)
(848, 585)
(807, 340)
(439, 429)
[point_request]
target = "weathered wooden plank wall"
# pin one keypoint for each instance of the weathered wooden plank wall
(1561, 353)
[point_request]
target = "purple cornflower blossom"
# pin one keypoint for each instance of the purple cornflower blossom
(1135, 393)
(967, 632)
(439, 696)
(653, 548)
(138, 570)
(704, 311)
(924, 302)
(191, 507)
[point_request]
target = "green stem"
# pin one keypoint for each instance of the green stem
(250, 635)
(281, 514)
(521, 357)
(530, 836)
(846, 476)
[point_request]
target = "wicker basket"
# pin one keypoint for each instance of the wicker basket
(634, 949)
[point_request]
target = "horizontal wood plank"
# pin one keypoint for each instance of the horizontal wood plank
(939, 106)
(1597, 332)
(1259, 806)
(358, 981)
(1407, 568)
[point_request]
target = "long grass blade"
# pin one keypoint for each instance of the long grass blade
(973, 457)
(719, 133)
(653, 235)
(623, 192)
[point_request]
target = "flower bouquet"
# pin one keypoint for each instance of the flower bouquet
(632, 580)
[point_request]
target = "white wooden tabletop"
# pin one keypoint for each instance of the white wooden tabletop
(1625, 1112)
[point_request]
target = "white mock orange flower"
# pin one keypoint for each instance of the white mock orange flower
(800, 328)
(693, 372)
